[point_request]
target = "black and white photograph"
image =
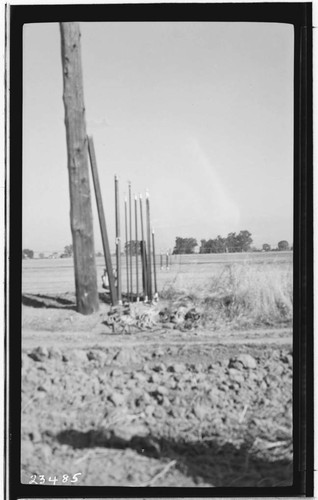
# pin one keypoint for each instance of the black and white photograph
(157, 257)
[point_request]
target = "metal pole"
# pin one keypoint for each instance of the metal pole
(149, 245)
(136, 248)
(143, 254)
(118, 244)
(130, 242)
(126, 249)
(154, 265)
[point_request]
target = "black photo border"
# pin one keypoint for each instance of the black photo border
(300, 16)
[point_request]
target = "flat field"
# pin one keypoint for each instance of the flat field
(57, 275)
(194, 390)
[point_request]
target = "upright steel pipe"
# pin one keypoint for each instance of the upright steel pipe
(126, 249)
(136, 248)
(143, 253)
(154, 265)
(130, 243)
(148, 246)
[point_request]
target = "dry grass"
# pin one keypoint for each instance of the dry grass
(239, 295)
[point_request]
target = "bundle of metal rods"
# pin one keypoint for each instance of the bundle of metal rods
(140, 255)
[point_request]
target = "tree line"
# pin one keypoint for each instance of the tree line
(232, 243)
(241, 242)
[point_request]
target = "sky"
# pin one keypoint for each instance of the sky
(199, 114)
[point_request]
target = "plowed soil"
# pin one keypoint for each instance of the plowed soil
(153, 407)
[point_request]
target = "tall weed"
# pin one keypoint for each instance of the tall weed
(239, 296)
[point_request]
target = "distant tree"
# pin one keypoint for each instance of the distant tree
(184, 245)
(266, 247)
(41, 255)
(231, 242)
(203, 246)
(133, 247)
(239, 242)
(218, 245)
(244, 241)
(68, 250)
(283, 245)
(99, 254)
(27, 254)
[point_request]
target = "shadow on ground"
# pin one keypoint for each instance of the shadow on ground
(215, 464)
(48, 301)
(68, 301)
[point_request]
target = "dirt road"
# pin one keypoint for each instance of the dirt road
(84, 340)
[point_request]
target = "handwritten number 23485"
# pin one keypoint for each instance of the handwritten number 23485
(54, 480)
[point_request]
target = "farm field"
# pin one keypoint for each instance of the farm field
(161, 400)
(57, 275)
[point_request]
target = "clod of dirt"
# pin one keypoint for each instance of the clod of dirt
(117, 398)
(201, 411)
(35, 435)
(140, 377)
(97, 355)
(78, 356)
(55, 353)
(177, 368)
(243, 360)
(160, 367)
(236, 375)
(39, 354)
(27, 449)
(125, 356)
(127, 432)
(25, 362)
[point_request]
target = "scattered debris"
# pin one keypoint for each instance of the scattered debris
(142, 317)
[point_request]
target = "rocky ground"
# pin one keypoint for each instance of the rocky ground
(181, 408)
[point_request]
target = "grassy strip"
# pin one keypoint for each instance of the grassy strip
(239, 296)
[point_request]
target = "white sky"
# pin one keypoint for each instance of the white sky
(201, 114)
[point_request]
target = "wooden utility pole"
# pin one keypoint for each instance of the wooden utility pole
(77, 159)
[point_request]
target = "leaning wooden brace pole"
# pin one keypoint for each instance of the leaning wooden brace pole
(77, 162)
(102, 223)
(118, 242)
